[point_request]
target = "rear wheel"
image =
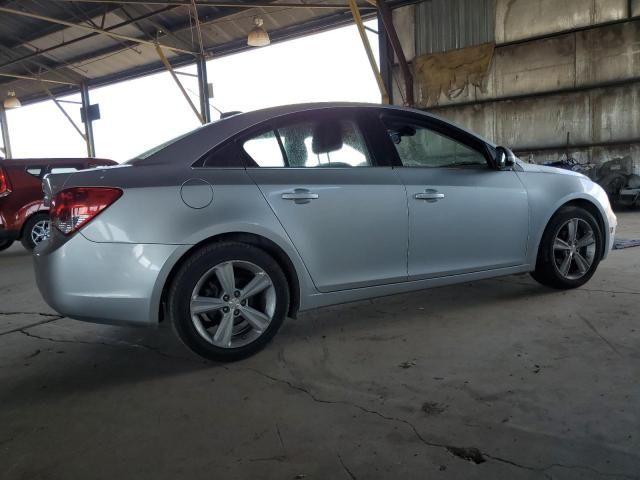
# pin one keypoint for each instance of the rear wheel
(4, 244)
(35, 231)
(569, 253)
(228, 300)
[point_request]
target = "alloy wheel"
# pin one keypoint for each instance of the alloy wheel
(233, 304)
(574, 248)
(40, 231)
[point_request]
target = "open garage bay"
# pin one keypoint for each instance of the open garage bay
(496, 379)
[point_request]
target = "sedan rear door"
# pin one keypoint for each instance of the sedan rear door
(344, 210)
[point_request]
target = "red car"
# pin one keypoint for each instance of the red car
(22, 213)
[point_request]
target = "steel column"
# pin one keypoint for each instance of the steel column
(203, 89)
(386, 59)
(357, 18)
(88, 123)
(387, 20)
(5, 133)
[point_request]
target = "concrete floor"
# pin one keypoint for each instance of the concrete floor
(500, 379)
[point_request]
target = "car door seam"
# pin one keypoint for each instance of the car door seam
(408, 242)
(529, 213)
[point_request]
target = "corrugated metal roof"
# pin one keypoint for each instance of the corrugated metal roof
(443, 25)
(77, 55)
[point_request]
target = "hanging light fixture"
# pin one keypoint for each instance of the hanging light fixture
(11, 101)
(258, 36)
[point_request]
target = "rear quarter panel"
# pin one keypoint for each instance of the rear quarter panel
(152, 210)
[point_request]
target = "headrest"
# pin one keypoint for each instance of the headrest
(327, 137)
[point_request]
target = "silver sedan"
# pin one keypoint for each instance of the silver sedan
(226, 231)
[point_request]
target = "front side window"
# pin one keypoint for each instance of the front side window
(310, 144)
(418, 146)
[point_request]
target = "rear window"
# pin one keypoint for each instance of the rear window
(225, 156)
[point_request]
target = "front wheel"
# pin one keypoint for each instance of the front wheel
(228, 300)
(36, 230)
(569, 253)
(4, 244)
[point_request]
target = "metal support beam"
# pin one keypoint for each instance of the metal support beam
(178, 83)
(203, 89)
(216, 3)
(91, 29)
(64, 112)
(6, 141)
(24, 77)
(198, 29)
(84, 37)
(367, 47)
(157, 27)
(88, 123)
(384, 13)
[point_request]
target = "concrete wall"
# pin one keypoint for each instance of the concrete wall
(521, 19)
(546, 86)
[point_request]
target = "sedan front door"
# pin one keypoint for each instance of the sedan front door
(464, 215)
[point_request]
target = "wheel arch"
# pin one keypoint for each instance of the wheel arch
(28, 217)
(259, 241)
(590, 207)
(28, 211)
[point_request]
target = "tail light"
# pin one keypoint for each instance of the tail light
(5, 188)
(73, 208)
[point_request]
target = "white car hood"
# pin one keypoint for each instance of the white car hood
(532, 167)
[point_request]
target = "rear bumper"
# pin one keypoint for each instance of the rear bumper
(114, 283)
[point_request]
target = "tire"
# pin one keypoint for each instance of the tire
(4, 244)
(228, 330)
(557, 249)
(30, 231)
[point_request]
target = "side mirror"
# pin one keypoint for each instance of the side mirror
(504, 158)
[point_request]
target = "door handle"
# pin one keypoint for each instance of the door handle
(430, 195)
(300, 196)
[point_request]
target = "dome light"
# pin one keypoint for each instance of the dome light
(258, 37)
(11, 101)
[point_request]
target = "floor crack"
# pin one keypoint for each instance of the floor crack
(280, 437)
(595, 330)
(346, 469)
(32, 313)
(471, 454)
(50, 318)
(107, 344)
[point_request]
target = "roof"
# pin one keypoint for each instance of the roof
(201, 140)
(56, 42)
(21, 162)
